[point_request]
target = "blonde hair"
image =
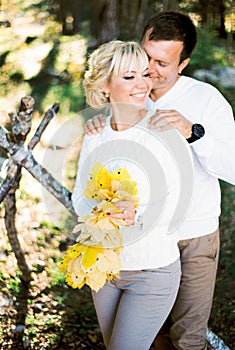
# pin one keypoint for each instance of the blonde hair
(111, 59)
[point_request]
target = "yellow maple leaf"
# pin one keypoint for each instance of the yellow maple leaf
(105, 264)
(128, 186)
(92, 192)
(120, 174)
(90, 256)
(110, 207)
(103, 179)
(96, 279)
(94, 170)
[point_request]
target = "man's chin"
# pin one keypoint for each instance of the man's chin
(156, 82)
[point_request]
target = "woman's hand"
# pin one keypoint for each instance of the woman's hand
(127, 214)
(95, 125)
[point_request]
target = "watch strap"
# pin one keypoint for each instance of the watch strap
(197, 133)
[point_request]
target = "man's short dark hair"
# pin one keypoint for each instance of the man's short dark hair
(171, 25)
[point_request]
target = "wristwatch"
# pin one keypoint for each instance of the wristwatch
(197, 132)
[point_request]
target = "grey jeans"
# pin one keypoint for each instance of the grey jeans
(132, 309)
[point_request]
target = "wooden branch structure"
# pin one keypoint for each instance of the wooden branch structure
(21, 125)
(20, 155)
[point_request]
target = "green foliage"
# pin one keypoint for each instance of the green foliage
(70, 97)
(57, 277)
(223, 307)
(40, 62)
(12, 284)
(208, 52)
(49, 226)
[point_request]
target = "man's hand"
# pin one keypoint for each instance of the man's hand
(95, 125)
(165, 120)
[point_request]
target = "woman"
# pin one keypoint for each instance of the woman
(132, 308)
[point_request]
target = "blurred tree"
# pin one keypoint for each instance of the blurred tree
(132, 17)
(222, 12)
(97, 8)
(203, 8)
(70, 16)
(213, 13)
(170, 5)
(112, 19)
(110, 22)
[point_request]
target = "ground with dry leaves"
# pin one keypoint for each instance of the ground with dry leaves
(48, 314)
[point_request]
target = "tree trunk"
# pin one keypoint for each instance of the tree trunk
(110, 27)
(132, 16)
(140, 18)
(70, 16)
(222, 30)
(96, 21)
(203, 8)
(170, 5)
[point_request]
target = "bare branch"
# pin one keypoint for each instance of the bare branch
(5, 143)
(10, 211)
(9, 182)
(21, 126)
(47, 118)
(48, 181)
(24, 158)
(21, 123)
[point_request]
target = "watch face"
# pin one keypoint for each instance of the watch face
(198, 130)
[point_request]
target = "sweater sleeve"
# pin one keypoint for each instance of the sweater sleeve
(216, 149)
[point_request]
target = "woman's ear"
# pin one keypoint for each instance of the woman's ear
(105, 89)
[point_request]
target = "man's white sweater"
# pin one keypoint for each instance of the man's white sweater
(213, 155)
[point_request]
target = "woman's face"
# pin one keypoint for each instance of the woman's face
(132, 87)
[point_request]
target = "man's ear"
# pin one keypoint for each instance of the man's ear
(183, 65)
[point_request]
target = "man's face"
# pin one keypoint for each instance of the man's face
(164, 62)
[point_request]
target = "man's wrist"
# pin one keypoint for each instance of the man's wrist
(198, 132)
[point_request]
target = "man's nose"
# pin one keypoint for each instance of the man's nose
(152, 66)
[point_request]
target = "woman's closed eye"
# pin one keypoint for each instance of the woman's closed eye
(128, 77)
(146, 75)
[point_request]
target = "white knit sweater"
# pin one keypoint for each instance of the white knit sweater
(147, 244)
(213, 155)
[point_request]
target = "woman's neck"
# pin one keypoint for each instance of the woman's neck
(126, 116)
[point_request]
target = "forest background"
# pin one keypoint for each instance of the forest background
(44, 46)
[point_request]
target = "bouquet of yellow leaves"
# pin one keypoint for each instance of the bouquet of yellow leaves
(95, 258)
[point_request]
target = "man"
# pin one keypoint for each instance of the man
(202, 115)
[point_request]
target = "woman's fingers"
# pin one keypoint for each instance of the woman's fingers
(127, 212)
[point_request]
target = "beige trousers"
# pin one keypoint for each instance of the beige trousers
(186, 327)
